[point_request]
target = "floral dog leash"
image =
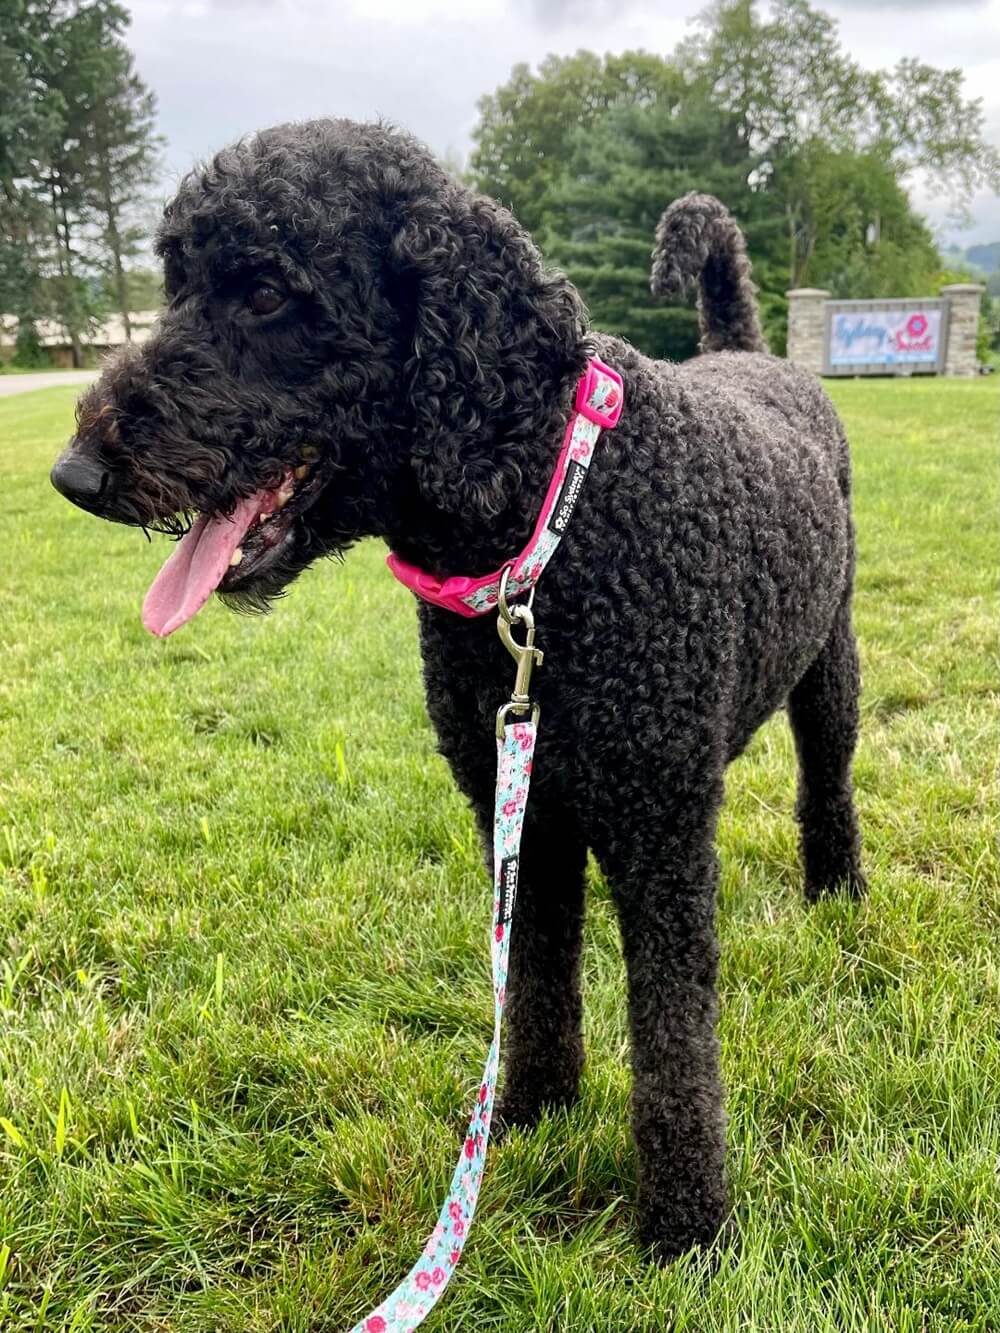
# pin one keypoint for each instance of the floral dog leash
(598, 406)
(423, 1286)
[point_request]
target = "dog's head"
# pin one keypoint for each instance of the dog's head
(352, 344)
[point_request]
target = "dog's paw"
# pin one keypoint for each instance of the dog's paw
(670, 1229)
(522, 1108)
(850, 884)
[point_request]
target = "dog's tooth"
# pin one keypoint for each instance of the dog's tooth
(281, 499)
(262, 518)
(236, 556)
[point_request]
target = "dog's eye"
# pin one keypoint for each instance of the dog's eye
(264, 299)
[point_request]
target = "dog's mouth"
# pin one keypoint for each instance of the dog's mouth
(226, 552)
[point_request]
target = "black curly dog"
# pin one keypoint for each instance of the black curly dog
(338, 306)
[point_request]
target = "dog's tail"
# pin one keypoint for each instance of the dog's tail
(699, 240)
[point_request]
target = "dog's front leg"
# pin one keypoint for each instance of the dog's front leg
(544, 1045)
(543, 1037)
(664, 881)
(543, 1020)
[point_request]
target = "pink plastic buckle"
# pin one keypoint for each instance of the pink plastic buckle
(449, 594)
(607, 419)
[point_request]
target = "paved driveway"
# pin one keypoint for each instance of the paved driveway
(46, 379)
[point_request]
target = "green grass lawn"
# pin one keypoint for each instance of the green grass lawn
(244, 999)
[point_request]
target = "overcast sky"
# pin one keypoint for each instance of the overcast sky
(223, 67)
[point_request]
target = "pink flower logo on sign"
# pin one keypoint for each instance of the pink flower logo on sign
(916, 326)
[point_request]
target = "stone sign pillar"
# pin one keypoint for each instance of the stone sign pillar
(805, 327)
(963, 325)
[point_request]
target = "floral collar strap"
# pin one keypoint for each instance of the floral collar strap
(599, 399)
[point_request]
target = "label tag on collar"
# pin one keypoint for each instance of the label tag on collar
(562, 510)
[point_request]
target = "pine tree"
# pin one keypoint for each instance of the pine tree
(122, 152)
(30, 116)
(78, 155)
(104, 157)
(600, 216)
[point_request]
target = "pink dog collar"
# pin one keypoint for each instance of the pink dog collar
(599, 401)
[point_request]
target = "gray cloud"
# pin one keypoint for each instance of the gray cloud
(551, 14)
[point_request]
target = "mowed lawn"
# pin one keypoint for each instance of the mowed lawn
(244, 999)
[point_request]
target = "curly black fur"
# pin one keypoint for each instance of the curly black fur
(428, 358)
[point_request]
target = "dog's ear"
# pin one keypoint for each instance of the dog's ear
(487, 329)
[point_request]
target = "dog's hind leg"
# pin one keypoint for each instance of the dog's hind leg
(823, 710)
(544, 1038)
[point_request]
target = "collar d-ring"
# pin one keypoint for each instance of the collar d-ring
(508, 612)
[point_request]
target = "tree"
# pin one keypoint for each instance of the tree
(143, 289)
(599, 216)
(526, 128)
(30, 111)
(105, 158)
(808, 111)
(849, 224)
(76, 65)
(121, 150)
(76, 158)
(923, 123)
(786, 79)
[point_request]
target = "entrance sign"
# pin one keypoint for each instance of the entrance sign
(885, 337)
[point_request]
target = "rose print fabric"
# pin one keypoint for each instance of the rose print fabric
(422, 1287)
(599, 402)
(605, 397)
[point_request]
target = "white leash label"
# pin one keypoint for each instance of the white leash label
(508, 887)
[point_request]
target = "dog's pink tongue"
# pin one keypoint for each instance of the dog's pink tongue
(196, 566)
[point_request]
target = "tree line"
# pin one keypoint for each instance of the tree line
(79, 156)
(810, 151)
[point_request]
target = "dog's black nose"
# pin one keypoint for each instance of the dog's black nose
(80, 479)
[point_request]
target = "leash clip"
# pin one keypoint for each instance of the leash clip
(525, 655)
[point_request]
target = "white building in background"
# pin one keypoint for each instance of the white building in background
(53, 337)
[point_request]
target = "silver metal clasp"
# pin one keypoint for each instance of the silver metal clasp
(525, 655)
